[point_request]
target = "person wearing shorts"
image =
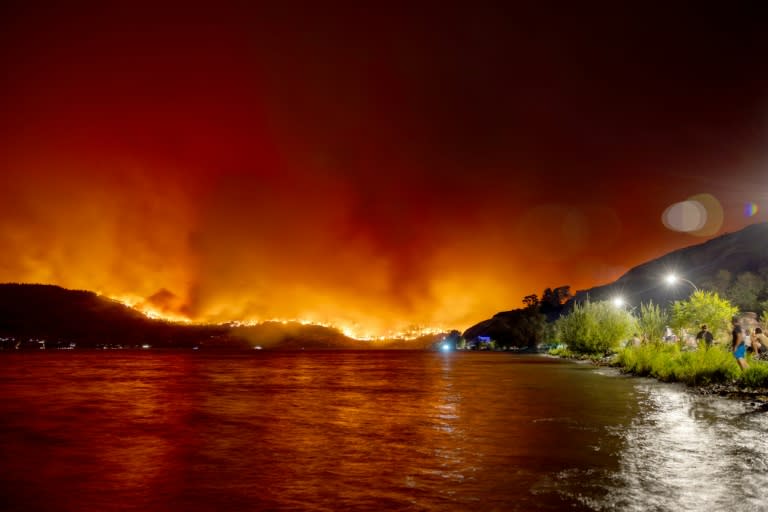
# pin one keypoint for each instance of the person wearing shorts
(737, 345)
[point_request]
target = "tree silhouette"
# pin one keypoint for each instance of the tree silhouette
(531, 301)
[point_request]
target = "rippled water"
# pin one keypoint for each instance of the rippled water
(390, 430)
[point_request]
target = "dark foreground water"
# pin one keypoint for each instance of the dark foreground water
(336, 431)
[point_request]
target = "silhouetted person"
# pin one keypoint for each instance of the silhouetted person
(705, 336)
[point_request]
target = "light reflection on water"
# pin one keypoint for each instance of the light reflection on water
(689, 452)
(364, 431)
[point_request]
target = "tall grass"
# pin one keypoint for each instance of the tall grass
(756, 376)
(696, 368)
(652, 321)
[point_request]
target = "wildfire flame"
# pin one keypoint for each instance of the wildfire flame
(351, 331)
(139, 304)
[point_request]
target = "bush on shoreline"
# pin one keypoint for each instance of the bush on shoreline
(756, 376)
(593, 331)
(704, 307)
(705, 366)
(595, 328)
(563, 351)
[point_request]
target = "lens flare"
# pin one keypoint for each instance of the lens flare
(714, 217)
(750, 209)
(699, 215)
(685, 216)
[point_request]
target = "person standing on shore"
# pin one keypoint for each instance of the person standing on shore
(737, 344)
(705, 336)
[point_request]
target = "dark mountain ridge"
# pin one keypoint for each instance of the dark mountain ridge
(36, 315)
(742, 251)
(745, 250)
(59, 317)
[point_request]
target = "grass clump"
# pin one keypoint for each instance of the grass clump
(668, 363)
(564, 351)
(561, 351)
(756, 376)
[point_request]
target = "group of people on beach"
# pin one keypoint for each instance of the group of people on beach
(742, 340)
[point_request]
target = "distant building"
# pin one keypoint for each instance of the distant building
(480, 343)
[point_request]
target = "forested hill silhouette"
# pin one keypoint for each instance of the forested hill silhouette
(734, 264)
(57, 317)
(712, 265)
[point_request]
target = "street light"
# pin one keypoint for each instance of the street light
(672, 279)
(620, 302)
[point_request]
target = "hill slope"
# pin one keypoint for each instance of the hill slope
(62, 316)
(742, 251)
(32, 312)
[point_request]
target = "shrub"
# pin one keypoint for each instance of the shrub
(704, 307)
(595, 328)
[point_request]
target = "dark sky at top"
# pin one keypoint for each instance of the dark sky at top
(369, 166)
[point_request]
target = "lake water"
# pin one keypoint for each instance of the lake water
(388, 430)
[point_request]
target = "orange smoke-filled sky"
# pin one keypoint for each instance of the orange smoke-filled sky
(375, 167)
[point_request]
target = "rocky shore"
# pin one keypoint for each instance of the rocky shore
(759, 396)
(755, 397)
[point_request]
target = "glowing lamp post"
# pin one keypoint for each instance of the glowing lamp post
(620, 302)
(671, 279)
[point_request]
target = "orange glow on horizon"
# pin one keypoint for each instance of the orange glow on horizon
(139, 304)
(351, 331)
(217, 165)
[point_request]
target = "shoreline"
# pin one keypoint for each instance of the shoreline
(757, 396)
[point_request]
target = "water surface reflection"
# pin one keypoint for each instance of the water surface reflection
(689, 452)
(363, 431)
